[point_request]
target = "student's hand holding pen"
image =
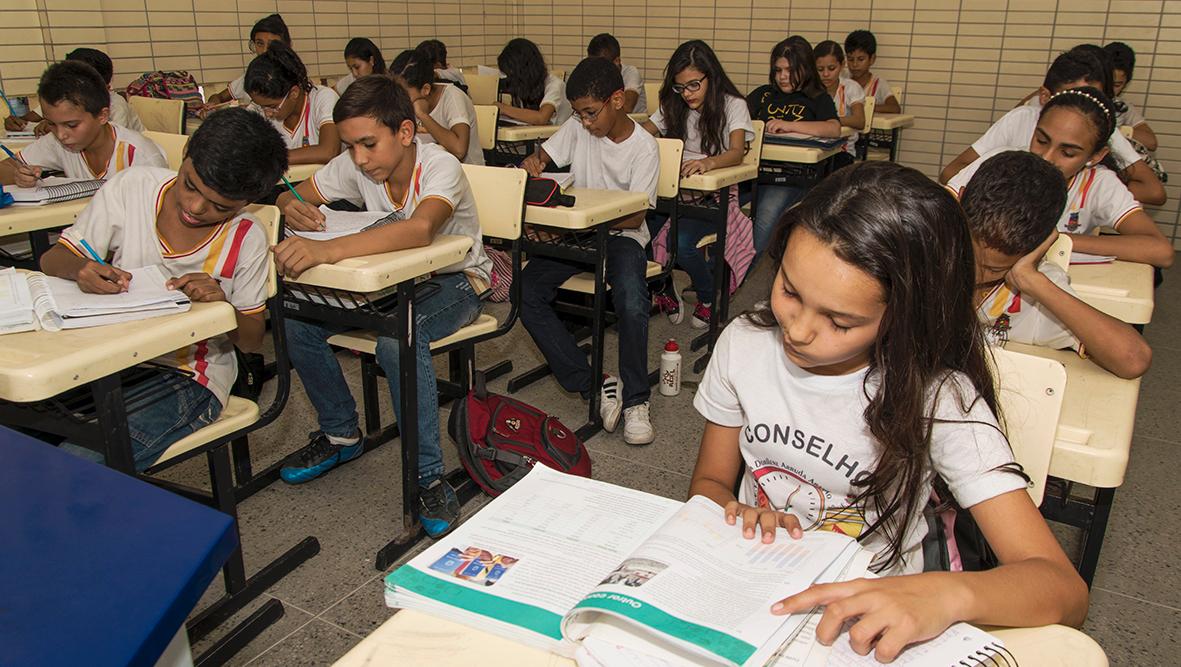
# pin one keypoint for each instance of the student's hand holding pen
(14, 123)
(302, 216)
(98, 278)
(533, 164)
(27, 175)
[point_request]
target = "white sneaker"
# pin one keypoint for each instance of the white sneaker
(637, 427)
(610, 406)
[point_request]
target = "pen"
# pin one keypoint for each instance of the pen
(292, 188)
(8, 152)
(8, 104)
(90, 250)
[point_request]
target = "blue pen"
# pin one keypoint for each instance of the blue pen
(9, 104)
(10, 153)
(90, 250)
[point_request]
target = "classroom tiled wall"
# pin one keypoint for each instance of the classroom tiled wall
(962, 63)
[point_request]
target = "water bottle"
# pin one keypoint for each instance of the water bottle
(670, 369)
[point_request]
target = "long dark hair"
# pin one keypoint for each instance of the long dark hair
(910, 235)
(802, 63)
(1096, 107)
(363, 48)
(273, 24)
(525, 72)
(697, 54)
(415, 67)
(275, 71)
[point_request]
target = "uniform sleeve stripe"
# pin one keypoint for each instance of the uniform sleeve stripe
(1124, 216)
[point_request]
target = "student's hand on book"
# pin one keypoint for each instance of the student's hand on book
(533, 165)
(1024, 272)
(14, 123)
(691, 167)
(294, 255)
(884, 615)
(302, 216)
(95, 278)
(776, 126)
(42, 128)
(763, 519)
(199, 287)
(27, 175)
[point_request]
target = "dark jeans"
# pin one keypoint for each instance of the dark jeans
(690, 258)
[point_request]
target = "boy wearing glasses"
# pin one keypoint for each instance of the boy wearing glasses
(605, 150)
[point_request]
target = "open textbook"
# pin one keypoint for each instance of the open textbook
(31, 300)
(54, 189)
(343, 223)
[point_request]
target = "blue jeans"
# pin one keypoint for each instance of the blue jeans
(773, 201)
(626, 263)
(179, 407)
(437, 315)
(692, 259)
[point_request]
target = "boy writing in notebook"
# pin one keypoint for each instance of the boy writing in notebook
(387, 168)
(1013, 203)
(606, 150)
(82, 141)
(192, 224)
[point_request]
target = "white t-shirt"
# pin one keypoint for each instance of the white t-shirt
(436, 175)
(597, 162)
(123, 115)
(634, 81)
(121, 220)
(1095, 197)
(237, 88)
(131, 148)
(879, 88)
(1008, 315)
(737, 118)
(1015, 130)
(555, 94)
(848, 93)
(1130, 116)
(343, 83)
(453, 74)
(805, 441)
(316, 113)
(453, 109)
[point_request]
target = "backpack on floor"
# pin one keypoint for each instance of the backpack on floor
(500, 438)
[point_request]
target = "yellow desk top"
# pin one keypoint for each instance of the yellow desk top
(301, 172)
(891, 121)
(1120, 289)
(720, 178)
(798, 154)
(847, 131)
(591, 207)
(36, 365)
(25, 219)
(1095, 426)
(525, 132)
(16, 143)
(372, 273)
(414, 638)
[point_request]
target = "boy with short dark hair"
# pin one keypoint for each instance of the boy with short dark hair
(606, 150)
(604, 45)
(1123, 66)
(389, 169)
(1012, 204)
(83, 142)
(121, 112)
(191, 222)
(861, 52)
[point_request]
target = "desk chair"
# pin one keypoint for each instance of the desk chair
(482, 88)
(862, 145)
(486, 116)
(238, 419)
(754, 153)
(1059, 252)
(652, 97)
(560, 73)
(1029, 393)
(158, 114)
(173, 146)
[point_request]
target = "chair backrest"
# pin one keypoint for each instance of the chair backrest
(158, 114)
(1029, 392)
(560, 73)
(870, 103)
(500, 199)
(482, 87)
(897, 90)
(668, 184)
(1127, 131)
(486, 115)
(173, 146)
(269, 217)
(1059, 252)
(652, 97)
(210, 89)
(754, 152)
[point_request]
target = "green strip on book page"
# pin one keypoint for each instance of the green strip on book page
(718, 643)
(527, 616)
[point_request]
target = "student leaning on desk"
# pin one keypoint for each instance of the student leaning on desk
(191, 224)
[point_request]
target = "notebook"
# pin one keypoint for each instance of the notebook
(55, 189)
(565, 181)
(344, 223)
(1087, 258)
(30, 301)
(805, 140)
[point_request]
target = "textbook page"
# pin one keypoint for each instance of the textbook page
(522, 562)
(344, 223)
(564, 181)
(700, 584)
(16, 303)
(66, 306)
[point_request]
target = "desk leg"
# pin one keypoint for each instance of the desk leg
(895, 137)
(721, 304)
(1093, 534)
(39, 241)
(594, 422)
(112, 423)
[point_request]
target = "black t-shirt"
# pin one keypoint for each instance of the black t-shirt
(769, 102)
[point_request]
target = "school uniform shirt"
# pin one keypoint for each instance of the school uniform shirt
(343, 83)
(1015, 130)
(121, 220)
(737, 118)
(454, 74)
(1095, 197)
(316, 112)
(454, 108)
(597, 162)
(1012, 316)
(634, 81)
(768, 102)
(123, 115)
(1127, 113)
(878, 88)
(555, 94)
(237, 88)
(805, 442)
(131, 148)
(436, 175)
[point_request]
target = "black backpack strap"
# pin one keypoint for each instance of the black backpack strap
(479, 385)
(503, 456)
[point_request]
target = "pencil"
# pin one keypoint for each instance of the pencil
(90, 250)
(292, 188)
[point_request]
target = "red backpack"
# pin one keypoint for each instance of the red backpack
(500, 438)
(178, 85)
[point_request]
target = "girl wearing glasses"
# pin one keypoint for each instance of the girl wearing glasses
(268, 29)
(701, 106)
(278, 85)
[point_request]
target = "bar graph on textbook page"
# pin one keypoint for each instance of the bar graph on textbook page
(786, 555)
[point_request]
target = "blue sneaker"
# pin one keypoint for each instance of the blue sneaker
(318, 457)
(438, 508)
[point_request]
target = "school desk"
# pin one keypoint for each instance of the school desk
(99, 568)
(515, 142)
(1092, 446)
(1120, 289)
(893, 123)
(579, 233)
(375, 293)
(802, 166)
(37, 222)
(412, 637)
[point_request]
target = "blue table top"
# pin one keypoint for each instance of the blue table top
(96, 567)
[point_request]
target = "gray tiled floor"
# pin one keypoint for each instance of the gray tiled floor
(335, 599)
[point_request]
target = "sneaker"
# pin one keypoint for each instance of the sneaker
(637, 427)
(701, 315)
(318, 457)
(610, 407)
(669, 301)
(438, 508)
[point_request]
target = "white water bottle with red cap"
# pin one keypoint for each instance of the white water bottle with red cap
(670, 369)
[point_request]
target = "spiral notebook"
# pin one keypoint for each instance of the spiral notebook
(53, 190)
